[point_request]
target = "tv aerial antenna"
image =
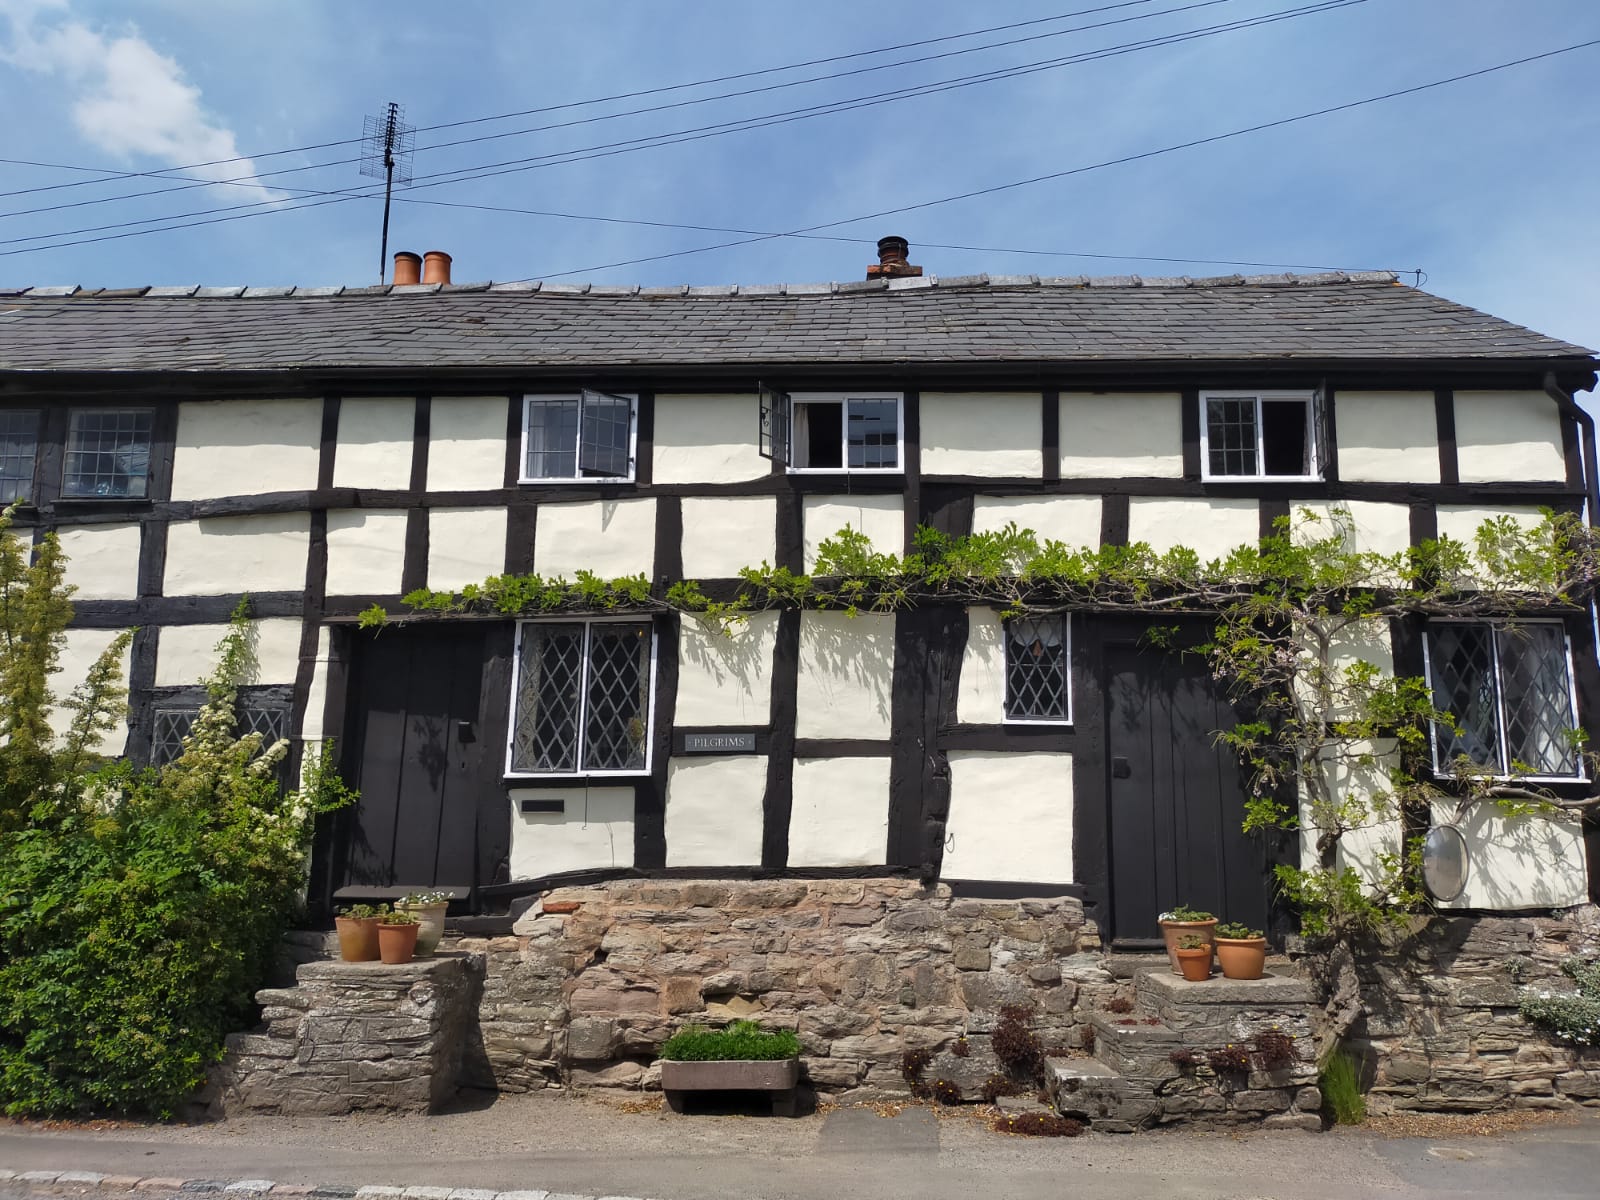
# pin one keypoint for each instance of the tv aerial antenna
(386, 146)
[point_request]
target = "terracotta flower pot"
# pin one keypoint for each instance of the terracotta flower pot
(1173, 931)
(430, 928)
(1195, 965)
(1242, 958)
(397, 943)
(358, 938)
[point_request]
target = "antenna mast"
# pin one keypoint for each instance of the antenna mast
(387, 143)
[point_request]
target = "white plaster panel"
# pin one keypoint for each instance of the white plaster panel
(1375, 527)
(611, 538)
(726, 678)
(840, 816)
(80, 650)
(1212, 528)
(465, 545)
(846, 675)
(1121, 435)
(1387, 437)
(216, 556)
(102, 560)
(724, 534)
(366, 551)
(1071, 520)
(1363, 846)
(881, 518)
(981, 690)
(994, 797)
(244, 447)
(714, 811)
(375, 442)
(999, 434)
(467, 443)
(1460, 521)
(594, 829)
(186, 654)
(707, 439)
(1519, 862)
(1506, 436)
(312, 729)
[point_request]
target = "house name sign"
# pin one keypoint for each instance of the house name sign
(719, 743)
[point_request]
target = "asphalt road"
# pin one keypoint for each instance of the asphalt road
(586, 1148)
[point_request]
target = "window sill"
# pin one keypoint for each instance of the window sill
(1261, 479)
(845, 470)
(601, 480)
(592, 777)
(1057, 723)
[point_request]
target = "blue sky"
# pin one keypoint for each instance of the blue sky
(1488, 185)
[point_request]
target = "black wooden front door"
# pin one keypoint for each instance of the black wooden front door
(416, 758)
(1176, 796)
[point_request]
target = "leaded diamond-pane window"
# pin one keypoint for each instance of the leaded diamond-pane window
(1038, 669)
(172, 725)
(1509, 689)
(108, 452)
(583, 698)
(19, 443)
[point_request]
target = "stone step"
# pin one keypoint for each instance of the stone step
(1091, 1091)
(1138, 1050)
(1221, 1010)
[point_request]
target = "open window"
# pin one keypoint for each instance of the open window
(1260, 435)
(587, 436)
(834, 431)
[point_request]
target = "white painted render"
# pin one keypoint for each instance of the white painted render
(998, 434)
(314, 728)
(1518, 862)
(1115, 435)
(218, 556)
(881, 518)
(102, 560)
(245, 447)
(840, 816)
(1508, 435)
(611, 538)
(186, 654)
(1378, 833)
(714, 811)
(465, 545)
(366, 551)
(981, 690)
(846, 675)
(1387, 437)
(1010, 817)
(1461, 521)
(726, 678)
(1072, 520)
(467, 443)
(724, 534)
(707, 439)
(1377, 527)
(1212, 528)
(594, 830)
(375, 441)
(80, 650)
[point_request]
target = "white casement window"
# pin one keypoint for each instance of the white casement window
(1509, 687)
(587, 436)
(850, 432)
(108, 453)
(1039, 670)
(1262, 435)
(582, 697)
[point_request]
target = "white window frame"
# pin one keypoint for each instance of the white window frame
(842, 399)
(1005, 675)
(1499, 692)
(527, 400)
(583, 698)
(1306, 395)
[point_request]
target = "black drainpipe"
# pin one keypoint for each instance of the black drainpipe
(1591, 467)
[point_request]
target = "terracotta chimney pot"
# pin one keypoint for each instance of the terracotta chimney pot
(435, 267)
(407, 268)
(892, 253)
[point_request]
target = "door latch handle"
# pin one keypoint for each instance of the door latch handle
(465, 732)
(1120, 768)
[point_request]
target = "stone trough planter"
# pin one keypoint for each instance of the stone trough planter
(778, 1077)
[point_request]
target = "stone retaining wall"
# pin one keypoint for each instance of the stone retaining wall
(593, 980)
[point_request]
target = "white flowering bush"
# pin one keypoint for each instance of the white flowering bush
(1569, 1016)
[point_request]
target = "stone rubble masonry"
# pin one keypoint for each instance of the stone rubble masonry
(356, 1036)
(1443, 1032)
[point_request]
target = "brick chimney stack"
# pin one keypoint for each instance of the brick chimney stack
(891, 262)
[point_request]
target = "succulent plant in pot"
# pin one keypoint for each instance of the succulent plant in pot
(1241, 951)
(1185, 920)
(358, 932)
(1194, 957)
(397, 936)
(429, 908)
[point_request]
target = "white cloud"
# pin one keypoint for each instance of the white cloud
(131, 101)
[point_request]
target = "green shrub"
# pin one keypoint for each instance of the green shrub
(1340, 1081)
(740, 1040)
(140, 909)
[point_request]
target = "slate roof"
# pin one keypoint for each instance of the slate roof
(969, 319)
